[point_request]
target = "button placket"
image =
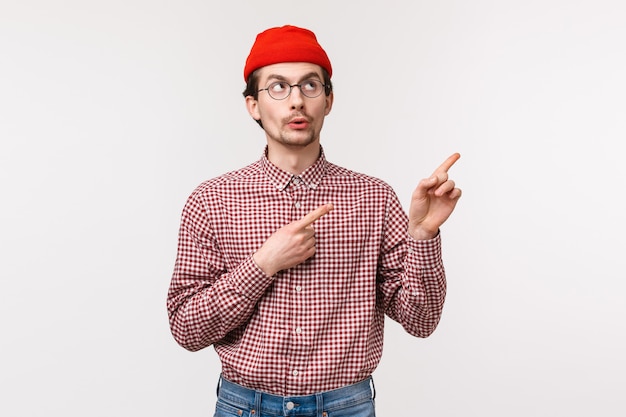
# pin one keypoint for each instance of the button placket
(297, 184)
(297, 191)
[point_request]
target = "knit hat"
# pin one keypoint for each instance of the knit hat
(285, 44)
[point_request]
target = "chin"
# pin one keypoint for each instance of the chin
(298, 141)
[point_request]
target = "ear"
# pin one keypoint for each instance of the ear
(253, 107)
(329, 103)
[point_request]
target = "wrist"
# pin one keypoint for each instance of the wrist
(262, 265)
(421, 234)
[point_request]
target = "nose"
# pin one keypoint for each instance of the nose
(296, 97)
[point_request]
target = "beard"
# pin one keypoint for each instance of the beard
(296, 139)
(293, 137)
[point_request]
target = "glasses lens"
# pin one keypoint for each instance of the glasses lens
(279, 90)
(311, 88)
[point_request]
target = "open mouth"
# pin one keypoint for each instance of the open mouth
(298, 123)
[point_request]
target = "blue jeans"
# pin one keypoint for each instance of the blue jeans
(356, 400)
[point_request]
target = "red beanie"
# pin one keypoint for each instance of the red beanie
(285, 44)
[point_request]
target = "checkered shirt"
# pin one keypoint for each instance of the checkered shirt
(317, 326)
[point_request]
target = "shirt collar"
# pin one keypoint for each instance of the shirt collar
(311, 177)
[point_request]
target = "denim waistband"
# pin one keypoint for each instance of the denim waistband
(309, 405)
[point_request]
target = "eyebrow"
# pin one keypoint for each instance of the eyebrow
(308, 76)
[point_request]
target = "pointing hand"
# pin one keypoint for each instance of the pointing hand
(433, 201)
(291, 244)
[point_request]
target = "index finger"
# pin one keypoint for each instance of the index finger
(447, 163)
(313, 215)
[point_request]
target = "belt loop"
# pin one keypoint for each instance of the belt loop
(373, 388)
(257, 402)
(219, 385)
(319, 402)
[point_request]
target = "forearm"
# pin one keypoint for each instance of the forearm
(202, 312)
(417, 296)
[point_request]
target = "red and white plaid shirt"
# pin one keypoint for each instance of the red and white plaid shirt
(317, 326)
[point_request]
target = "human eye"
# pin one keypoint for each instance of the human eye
(311, 86)
(278, 87)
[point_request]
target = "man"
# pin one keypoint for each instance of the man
(289, 265)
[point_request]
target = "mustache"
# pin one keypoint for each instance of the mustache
(298, 115)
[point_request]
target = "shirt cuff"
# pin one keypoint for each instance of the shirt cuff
(424, 253)
(250, 281)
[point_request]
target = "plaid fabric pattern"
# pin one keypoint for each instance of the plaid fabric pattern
(317, 326)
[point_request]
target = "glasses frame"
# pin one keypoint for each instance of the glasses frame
(291, 86)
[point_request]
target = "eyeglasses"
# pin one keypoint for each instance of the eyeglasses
(280, 90)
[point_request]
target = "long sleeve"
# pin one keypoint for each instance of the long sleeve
(205, 300)
(411, 277)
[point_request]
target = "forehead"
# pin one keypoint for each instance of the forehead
(291, 71)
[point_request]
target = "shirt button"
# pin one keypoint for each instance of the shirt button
(290, 405)
(298, 288)
(295, 372)
(298, 330)
(297, 204)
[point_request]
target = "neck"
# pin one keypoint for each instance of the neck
(293, 159)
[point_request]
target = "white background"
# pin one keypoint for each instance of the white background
(111, 112)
